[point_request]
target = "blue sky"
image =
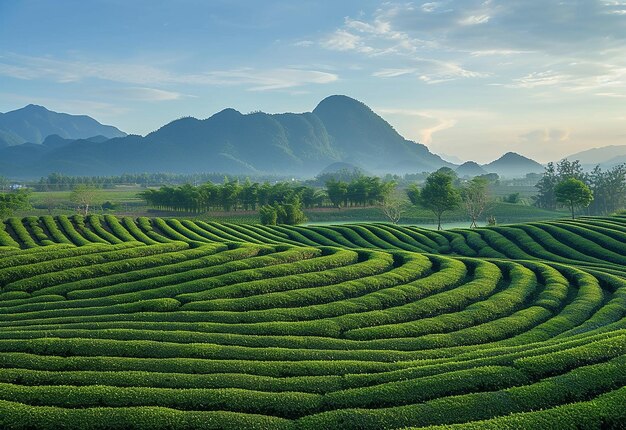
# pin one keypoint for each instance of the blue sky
(472, 79)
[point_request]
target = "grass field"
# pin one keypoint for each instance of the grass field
(144, 323)
(128, 204)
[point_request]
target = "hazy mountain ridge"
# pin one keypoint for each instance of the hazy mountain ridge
(339, 129)
(606, 156)
(32, 124)
(513, 165)
(470, 169)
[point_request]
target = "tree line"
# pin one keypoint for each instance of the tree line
(233, 195)
(606, 188)
(61, 182)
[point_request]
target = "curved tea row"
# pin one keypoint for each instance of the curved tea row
(179, 324)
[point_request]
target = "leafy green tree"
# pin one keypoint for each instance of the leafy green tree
(11, 202)
(545, 197)
(573, 193)
(268, 215)
(291, 212)
(337, 192)
(439, 195)
(475, 199)
(570, 169)
(229, 196)
(608, 188)
(512, 198)
(249, 195)
(413, 193)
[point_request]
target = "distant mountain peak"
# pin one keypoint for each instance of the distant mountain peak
(513, 156)
(470, 164)
(470, 169)
(340, 101)
(227, 113)
(33, 123)
(513, 164)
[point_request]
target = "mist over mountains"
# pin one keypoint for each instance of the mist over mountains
(32, 124)
(35, 142)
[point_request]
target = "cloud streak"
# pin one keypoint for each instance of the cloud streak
(143, 75)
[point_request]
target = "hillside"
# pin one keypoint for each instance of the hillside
(34, 123)
(470, 169)
(339, 129)
(178, 324)
(606, 156)
(513, 165)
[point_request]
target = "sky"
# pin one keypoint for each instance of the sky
(471, 79)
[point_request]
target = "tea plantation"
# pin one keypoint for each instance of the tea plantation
(113, 323)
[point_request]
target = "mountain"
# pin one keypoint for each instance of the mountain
(364, 138)
(339, 129)
(606, 156)
(470, 169)
(451, 158)
(34, 123)
(513, 165)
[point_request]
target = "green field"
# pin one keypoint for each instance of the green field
(150, 323)
(127, 203)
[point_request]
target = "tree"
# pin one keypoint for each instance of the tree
(393, 207)
(475, 199)
(565, 169)
(413, 193)
(291, 212)
(439, 195)
(573, 193)
(545, 197)
(230, 191)
(512, 198)
(84, 196)
(608, 189)
(337, 192)
(268, 215)
(11, 202)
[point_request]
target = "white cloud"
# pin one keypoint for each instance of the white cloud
(376, 37)
(304, 43)
(540, 79)
(498, 52)
(274, 79)
(613, 95)
(392, 73)
(436, 121)
(342, 40)
(149, 94)
(546, 135)
(475, 20)
(142, 75)
(429, 7)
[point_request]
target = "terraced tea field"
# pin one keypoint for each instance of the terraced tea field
(152, 323)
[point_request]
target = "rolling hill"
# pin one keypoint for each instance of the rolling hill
(513, 165)
(606, 156)
(119, 323)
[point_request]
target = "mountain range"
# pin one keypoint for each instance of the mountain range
(606, 156)
(34, 123)
(35, 142)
